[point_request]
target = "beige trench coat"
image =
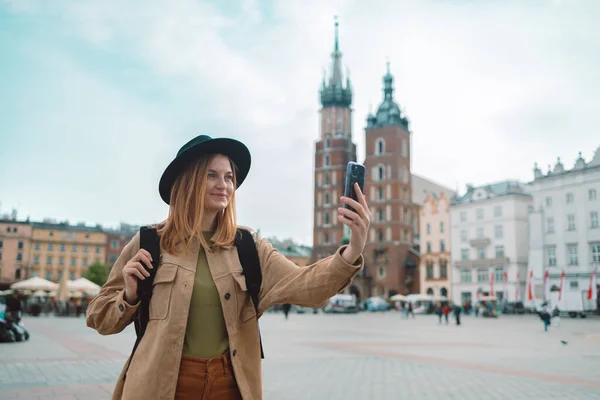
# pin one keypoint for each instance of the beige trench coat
(154, 368)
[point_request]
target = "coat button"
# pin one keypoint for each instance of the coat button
(234, 352)
(227, 296)
(121, 308)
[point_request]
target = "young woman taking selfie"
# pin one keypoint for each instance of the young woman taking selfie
(202, 339)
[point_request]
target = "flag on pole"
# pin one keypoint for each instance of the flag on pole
(547, 285)
(517, 288)
(562, 282)
(530, 292)
(492, 293)
(593, 290)
(505, 278)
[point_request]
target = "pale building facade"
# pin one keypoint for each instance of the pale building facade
(489, 241)
(434, 221)
(565, 225)
(57, 248)
(15, 241)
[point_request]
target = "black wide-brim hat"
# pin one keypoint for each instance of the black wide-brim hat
(200, 146)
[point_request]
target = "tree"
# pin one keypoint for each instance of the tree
(97, 273)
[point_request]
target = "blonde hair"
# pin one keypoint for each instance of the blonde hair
(184, 223)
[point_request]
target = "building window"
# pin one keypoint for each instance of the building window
(113, 259)
(498, 232)
(327, 221)
(428, 229)
(573, 285)
(498, 275)
(497, 211)
(74, 249)
(327, 160)
(380, 235)
(85, 249)
(481, 253)
(404, 148)
(50, 247)
(20, 245)
(380, 193)
(380, 146)
(61, 261)
(550, 225)
(381, 272)
(36, 260)
(51, 233)
(479, 213)
(381, 172)
(443, 269)
(326, 237)
(463, 236)
(327, 143)
(499, 251)
(572, 254)
(19, 256)
(551, 256)
(428, 247)
(466, 276)
(327, 178)
(49, 260)
(85, 262)
(595, 247)
(479, 233)
(570, 198)
(464, 254)
(594, 219)
(72, 277)
(592, 194)
(483, 275)
(62, 247)
(442, 245)
(114, 244)
(380, 214)
(442, 227)
(429, 270)
(73, 262)
(36, 246)
(548, 201)
(571, 222)
(463, 216)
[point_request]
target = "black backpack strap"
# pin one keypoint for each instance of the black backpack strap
(251, 266)
(149, 241)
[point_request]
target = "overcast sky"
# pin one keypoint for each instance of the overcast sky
(96, 97)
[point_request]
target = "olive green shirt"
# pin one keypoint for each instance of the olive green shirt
(205, 334)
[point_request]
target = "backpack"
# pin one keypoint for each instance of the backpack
(150, 241)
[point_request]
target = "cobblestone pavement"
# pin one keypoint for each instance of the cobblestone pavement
(364, 356)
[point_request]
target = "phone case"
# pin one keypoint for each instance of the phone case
(355, 173)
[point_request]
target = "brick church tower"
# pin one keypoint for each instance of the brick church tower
(333, 150)
(390, 259)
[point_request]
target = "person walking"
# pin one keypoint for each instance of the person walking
(446, 312)
(286, 309)
(457, 311)
(202, 339)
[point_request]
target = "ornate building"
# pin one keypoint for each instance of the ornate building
(434, 222)
(390, 258)
(333, 150)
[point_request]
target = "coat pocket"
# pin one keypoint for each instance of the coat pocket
(245, 305)
(161, 291)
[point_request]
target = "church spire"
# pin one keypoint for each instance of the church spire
(334, 93)
(336, 59)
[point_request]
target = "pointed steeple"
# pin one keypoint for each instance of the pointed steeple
(334, 93)
(388, 112)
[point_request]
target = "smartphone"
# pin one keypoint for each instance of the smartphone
(355, 173)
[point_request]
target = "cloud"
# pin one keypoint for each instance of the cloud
(489, 87)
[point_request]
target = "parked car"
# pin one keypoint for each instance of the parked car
(341, 303)
(375, 304)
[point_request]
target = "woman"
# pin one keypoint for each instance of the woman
(202, 340)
